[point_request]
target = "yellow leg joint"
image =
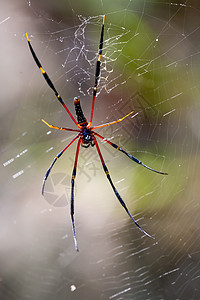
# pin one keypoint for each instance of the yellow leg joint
(27, 36)
(45, 122)
(43, 71)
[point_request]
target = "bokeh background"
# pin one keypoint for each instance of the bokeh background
(150, 64)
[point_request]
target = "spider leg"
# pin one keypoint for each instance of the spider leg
(111, 123)
(129, 155)
(55, 159)
(72, 194)
(59, 128)
(97, 72)
(48, 80)
(115, 190)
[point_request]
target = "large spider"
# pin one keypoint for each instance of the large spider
(86, 135)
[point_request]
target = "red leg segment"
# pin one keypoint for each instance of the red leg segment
(55, 159)
(72, 194)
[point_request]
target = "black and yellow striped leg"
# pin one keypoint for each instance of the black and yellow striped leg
(48, 80)
(129, 155)
(115, 190)
(97, 72)
(55, 159)
(72, 194)
(98, 65)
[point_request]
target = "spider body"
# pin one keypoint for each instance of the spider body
(86, 135)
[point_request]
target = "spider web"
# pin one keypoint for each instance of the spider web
(150, 65)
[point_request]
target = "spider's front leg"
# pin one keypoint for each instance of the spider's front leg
(97, 72)
(48, 80)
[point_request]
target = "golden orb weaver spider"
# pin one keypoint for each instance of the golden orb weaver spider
(86, 135)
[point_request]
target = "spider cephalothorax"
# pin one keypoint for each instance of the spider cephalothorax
(86, 135)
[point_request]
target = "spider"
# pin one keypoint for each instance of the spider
(86, 135)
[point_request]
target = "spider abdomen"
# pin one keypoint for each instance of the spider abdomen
(79, 113)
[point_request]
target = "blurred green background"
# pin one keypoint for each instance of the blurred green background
(150, 64)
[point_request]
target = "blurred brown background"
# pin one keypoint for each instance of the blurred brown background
(150, 64)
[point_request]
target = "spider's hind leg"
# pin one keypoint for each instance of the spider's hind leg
(72, 194)
(116, 192)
